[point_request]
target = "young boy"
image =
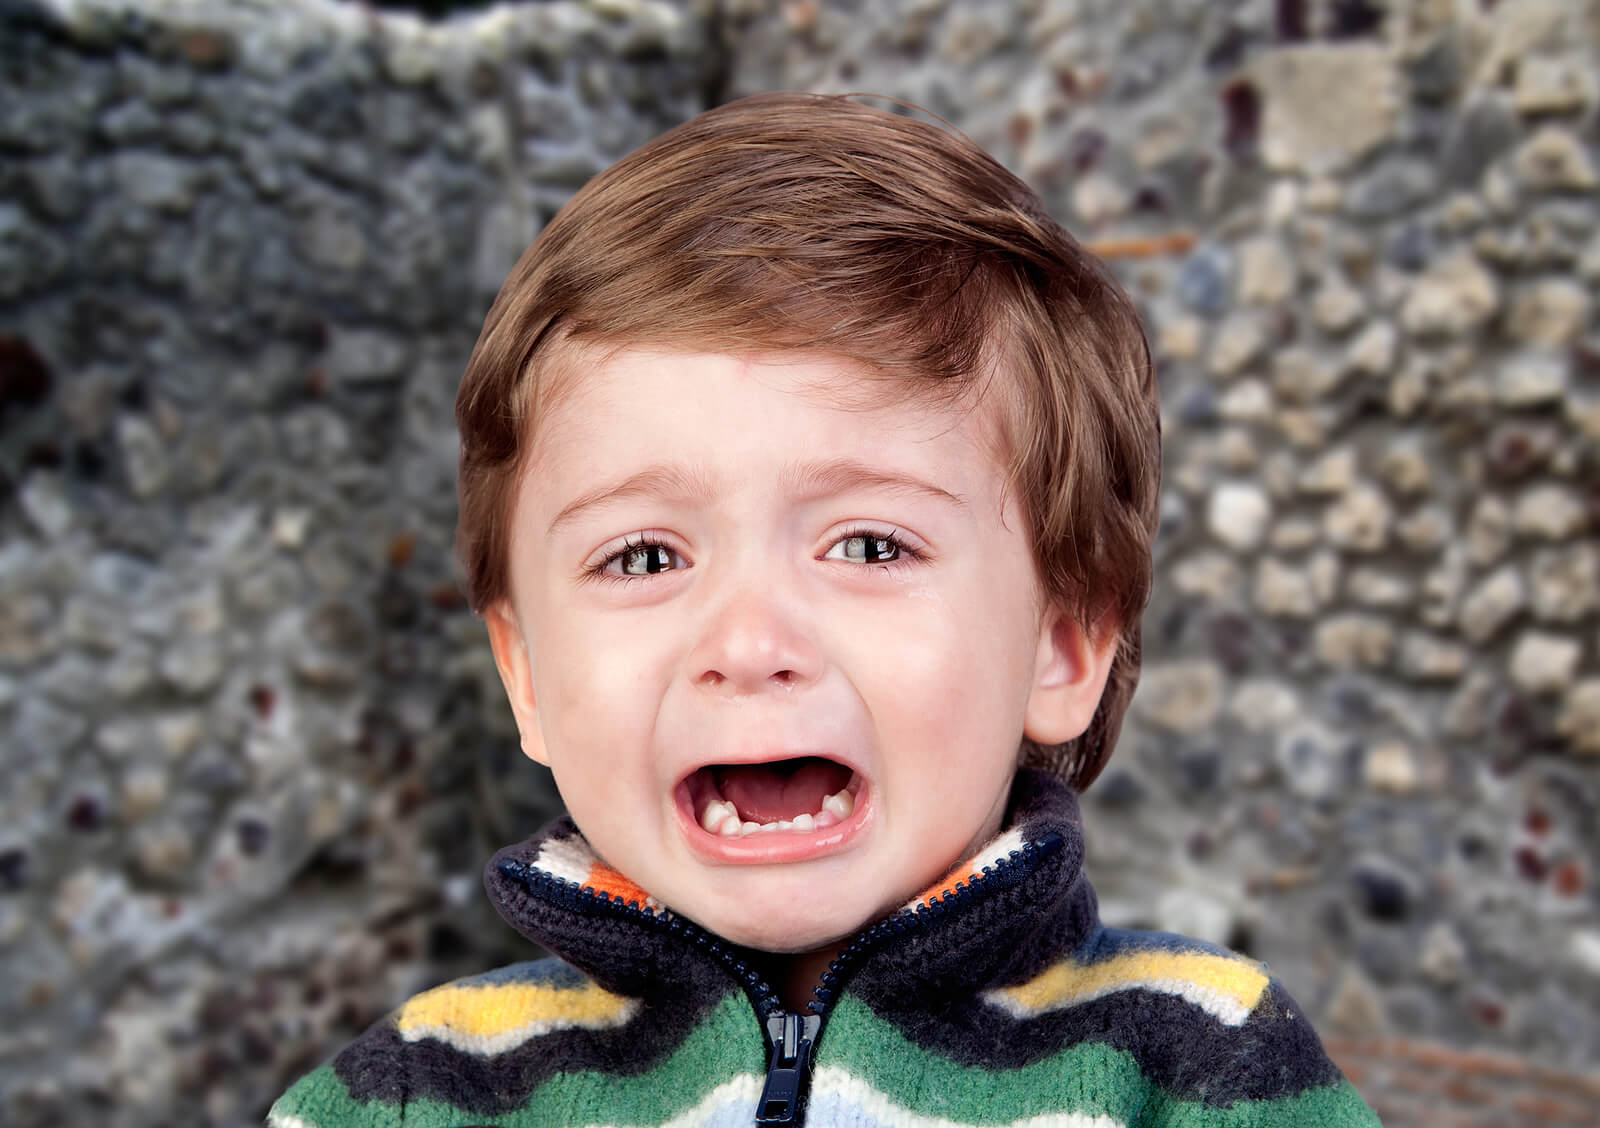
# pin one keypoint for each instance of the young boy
(808, 478)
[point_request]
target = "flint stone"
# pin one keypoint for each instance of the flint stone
(1579, 721)
(1552, 86)
(1553, 160)
(1492, 604)
(1324, 105)
(1238, 514)
(1550, 512)
(1372, 353)
(1359, 521)
(1371, 587)
(1476, 138)
(1337, 307)
(1203, 280)
(1266, 272)
(1549, 313)
(1394, 187)
(1544, 663)
(156, 181)
(1454, 297)
(1391, 766)
(1425, 657)
(1264, 705)
(1180, 696)
(1311, 761)
(1353, 641)
(1239, 341)
(1285, 591)
(1424, 530)
(1565, 583)
(1488, 530)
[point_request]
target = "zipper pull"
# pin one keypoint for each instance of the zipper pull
(783, 1097)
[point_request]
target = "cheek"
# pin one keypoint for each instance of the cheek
(946, 670)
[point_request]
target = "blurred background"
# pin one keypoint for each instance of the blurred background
(255, 752)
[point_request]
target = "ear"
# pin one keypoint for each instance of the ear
(1070, 672)
(516, 674)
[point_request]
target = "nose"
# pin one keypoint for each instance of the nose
(752, 645)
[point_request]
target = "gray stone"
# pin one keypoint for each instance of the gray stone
(1205, 279)
(1311, 761)
(1353, 641)
(1397, 185)
(1564, 583)
(45, 503)
(1442, 587)
(44, 730)
(1426, 657)
(1549, 313)
(1359, 521)
(1182, 697)
(1444, 955)
(28, 628)
(1266, 271)
(1488, 530)
(333, 240)
(1405, 468)
(1285, 591)
(1238, 342)
(1390, 767)
(1528, 379)
(1550, 512)
(1452, 298)
(364, 356)
(1357, 1007)
(1548, 85)
(1238, 514)
(53, 188)
(1372, 353)
(144, 455)
(193, 666)
(1553, 160)
(1492, 604)
(156, 181)
(1337, 307)
(1476, 137)
(1425, 529)
(1374, 587)
(1324, 106)
(1544, 663)
(1579, 721)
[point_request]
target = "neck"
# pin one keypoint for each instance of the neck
(795, 976)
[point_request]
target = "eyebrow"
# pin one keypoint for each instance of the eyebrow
(804, 481)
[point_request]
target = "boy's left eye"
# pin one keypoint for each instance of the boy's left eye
(643, 558)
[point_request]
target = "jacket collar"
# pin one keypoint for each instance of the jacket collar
(998, 918)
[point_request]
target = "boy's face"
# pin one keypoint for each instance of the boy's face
(819, 616)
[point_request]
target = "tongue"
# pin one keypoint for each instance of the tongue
(773, 792)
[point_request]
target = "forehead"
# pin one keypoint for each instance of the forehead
(652, 399)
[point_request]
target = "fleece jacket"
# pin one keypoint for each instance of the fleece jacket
(995, 998)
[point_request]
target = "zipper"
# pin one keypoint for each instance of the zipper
(791, 1037)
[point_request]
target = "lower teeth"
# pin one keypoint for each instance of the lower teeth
(722, 818)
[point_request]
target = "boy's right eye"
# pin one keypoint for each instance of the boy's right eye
(637, 558)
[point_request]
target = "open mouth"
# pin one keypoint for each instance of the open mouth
(794, 796)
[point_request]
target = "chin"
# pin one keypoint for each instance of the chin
(785, 928)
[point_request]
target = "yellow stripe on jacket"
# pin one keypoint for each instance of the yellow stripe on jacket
(1225, 987)
(491, 1018)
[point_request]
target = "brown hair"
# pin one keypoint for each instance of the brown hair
(814, 222)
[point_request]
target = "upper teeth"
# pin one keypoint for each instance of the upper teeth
(722, 817)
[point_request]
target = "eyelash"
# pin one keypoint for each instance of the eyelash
(907, 555)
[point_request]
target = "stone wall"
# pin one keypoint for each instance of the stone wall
(255, 750)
